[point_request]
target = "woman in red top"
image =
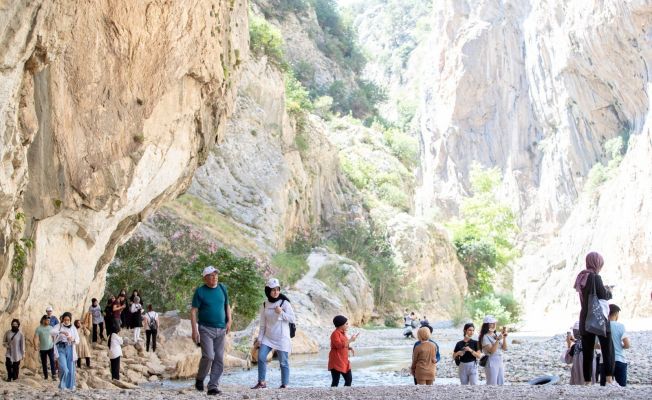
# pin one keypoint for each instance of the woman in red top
(338, 358)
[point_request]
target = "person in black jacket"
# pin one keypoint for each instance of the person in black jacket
(584, 284)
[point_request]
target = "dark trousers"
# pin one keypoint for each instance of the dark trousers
(88, 362)
(620, 373)
(150, 334)
(12, 369)
(607, 349)
(115, 368)
(45, 354)
(95, 328)
(348, 378)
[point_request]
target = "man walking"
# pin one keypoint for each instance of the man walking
(621, 342)
(210, 318)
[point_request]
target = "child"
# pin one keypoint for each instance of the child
(338, 358)
(115, 352)
(620, 342)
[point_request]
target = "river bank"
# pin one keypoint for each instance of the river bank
(21, 391)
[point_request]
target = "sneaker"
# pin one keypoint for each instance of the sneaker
(614, 384)
(199, 384)
(213, 392)
(283, 387)
(260, 385)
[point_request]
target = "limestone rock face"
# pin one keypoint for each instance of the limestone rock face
(537, 89)
(106, 110)
(267, 178)
(437, 279)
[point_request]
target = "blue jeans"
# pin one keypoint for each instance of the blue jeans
(620, 373)
(66, 367)
(282, 359)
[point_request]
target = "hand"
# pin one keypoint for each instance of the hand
(195, 335)
(256, 343)
(352, 351)
(228, 326)
(354, 337)
(278, 310)
(466, 348)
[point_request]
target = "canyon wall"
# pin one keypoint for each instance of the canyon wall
(107, 109)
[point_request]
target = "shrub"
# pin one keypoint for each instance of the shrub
(291, 267)
(512, 306)
(488, 305)
(297, 101)
(403, 146)
(265, 39)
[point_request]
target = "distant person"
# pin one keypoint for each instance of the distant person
(586, 282)
(83, 349)
(118, 307)
(14, 343)
(98, 320)
(276, 315)
(43, 341)
(620, 342)
(338, 357)
(115, 352)
(407, 332)
(53, 321)
(210, 318)
(151, 327)
(136, 318)
(122, 298)
(65, 338)
(424, 321)
(424, 359)
(108, 315)
(493, 344)
(466, 354)
(133, 317)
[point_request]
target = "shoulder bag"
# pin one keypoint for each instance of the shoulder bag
(595, 321)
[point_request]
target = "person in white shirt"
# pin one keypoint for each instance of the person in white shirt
(151, 327)
(276, 315)
(65, 338)
(115, 352)
(137, 320)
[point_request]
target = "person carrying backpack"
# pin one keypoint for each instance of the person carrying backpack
(151, 327)
(276, 315)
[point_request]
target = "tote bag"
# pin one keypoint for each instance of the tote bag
(595, 321)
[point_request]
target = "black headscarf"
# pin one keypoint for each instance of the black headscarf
(281, 296)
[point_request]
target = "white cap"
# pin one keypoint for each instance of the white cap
(489, 319)
(209, 270)
(273, 283)
(48, 308)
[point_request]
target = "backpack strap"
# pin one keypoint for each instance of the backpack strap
(226, 315)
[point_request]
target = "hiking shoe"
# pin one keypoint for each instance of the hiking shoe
(260, 385)
(199, 384)
(213, 392)
(283, 387)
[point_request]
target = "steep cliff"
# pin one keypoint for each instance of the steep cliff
(107, 109)
(537, 89)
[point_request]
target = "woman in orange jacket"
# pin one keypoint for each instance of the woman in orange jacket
(338, 358)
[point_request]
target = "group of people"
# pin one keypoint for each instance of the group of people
(411, 322)
(64, 343)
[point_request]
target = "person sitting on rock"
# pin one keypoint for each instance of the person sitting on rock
(338, 357)
(14, 343)
(115, 352)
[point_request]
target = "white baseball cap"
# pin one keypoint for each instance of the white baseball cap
(273, 283)
(489, 319)
(48, 308)
(209, 270)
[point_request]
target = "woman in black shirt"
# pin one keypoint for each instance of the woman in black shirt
(584, 283)
(466, 355)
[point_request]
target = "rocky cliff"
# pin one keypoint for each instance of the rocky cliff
(107, 109)
(537, 89)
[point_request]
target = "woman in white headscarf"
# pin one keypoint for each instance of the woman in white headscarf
(276, 315)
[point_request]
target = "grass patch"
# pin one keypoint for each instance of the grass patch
(291, 267)
(332, 275)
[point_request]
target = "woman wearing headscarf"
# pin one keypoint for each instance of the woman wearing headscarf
(276, 315)
(586, 281)
(65, 338)
(493, 344)
(14, 343)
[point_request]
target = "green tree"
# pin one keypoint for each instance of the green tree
(484, 237)
(266, 39)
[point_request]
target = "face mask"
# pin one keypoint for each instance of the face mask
(67, 326)
(14, 329)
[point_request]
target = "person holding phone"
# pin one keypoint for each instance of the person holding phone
(338, 357)
(493, 344)
(466, 355)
